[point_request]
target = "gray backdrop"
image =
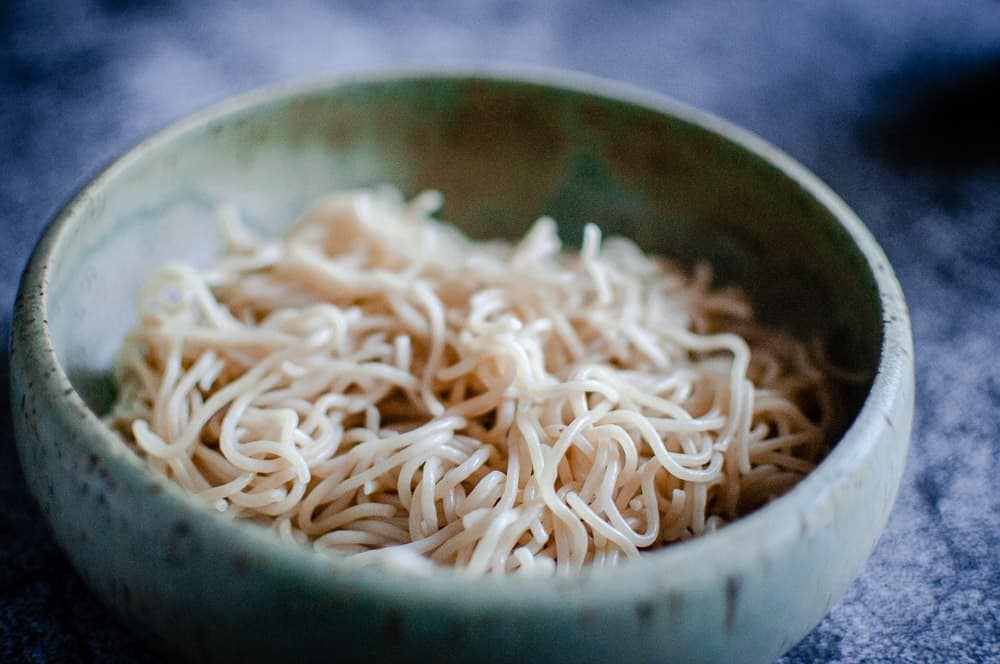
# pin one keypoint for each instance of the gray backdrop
(895, 104)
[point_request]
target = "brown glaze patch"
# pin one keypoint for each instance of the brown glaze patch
(181, 547)
(338, 135)
(393, 626)
(593, 115)
(109, 482)
(888, 421)
(241, 563)
(486, 143)
(732, 595)
(644, 612)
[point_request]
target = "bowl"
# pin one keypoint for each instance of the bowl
(504, 148)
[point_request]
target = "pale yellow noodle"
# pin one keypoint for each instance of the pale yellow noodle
(377, 385)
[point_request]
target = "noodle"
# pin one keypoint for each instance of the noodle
(377, 384)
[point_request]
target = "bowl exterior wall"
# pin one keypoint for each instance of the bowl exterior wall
(212, 590)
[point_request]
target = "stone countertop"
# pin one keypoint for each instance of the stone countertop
(895, 104)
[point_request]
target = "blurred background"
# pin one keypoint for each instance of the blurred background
(895, 104)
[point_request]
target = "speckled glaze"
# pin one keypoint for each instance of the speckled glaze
(504, 148)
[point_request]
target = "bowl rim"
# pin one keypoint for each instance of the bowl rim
(785, 519)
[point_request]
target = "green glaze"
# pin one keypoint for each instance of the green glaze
(503, 148)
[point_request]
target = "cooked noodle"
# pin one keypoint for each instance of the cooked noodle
(375, 383)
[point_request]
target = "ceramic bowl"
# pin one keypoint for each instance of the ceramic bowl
(503, 148)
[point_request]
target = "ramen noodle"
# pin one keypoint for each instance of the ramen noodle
(378, 385)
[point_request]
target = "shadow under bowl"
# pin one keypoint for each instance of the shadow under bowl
(503, 148)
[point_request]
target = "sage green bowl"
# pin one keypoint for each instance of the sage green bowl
(504, 149)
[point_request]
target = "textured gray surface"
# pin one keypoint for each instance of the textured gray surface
(895, 104)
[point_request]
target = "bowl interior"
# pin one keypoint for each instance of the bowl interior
(502, 152)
